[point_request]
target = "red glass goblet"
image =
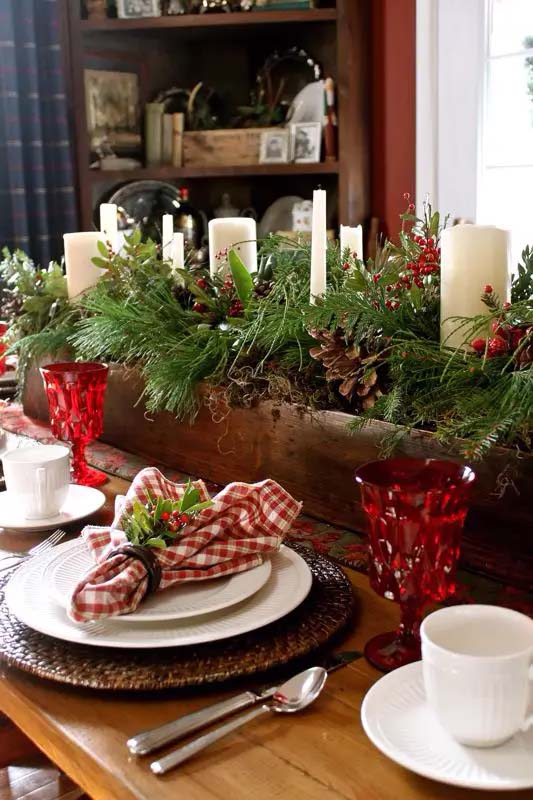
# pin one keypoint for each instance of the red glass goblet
(416, 509)
(75, 394)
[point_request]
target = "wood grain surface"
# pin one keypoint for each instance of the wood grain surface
(320, 754)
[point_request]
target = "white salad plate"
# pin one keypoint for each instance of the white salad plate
(27, 599)
(66, 569)
(398, 720)
(81, 502)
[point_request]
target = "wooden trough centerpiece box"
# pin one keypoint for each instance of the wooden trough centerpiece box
(313, 455)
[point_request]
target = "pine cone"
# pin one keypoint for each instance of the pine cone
(351, 364)
(263, 289)
(182, 296)
(11, 306)
(524, 355)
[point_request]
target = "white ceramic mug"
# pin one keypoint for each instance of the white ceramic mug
(38, 478)
(477, 662)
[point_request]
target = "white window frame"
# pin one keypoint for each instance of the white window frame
(451, 40)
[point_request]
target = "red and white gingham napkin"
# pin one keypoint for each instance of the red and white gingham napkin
(245, 522)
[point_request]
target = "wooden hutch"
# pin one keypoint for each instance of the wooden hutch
(225, 50)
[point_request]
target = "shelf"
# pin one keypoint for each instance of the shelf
(177, 173)
(235, 19)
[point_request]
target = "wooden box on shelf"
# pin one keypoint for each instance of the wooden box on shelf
(314, 455)
(231, 147)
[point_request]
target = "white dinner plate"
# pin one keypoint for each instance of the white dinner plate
(288, 586)
(66, 569)
(81, 502)
(399, 721)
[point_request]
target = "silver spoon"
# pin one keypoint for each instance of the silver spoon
(293, 695)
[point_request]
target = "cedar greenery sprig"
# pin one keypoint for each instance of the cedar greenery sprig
(159, 522)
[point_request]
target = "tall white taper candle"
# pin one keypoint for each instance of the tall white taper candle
(226, 233)
(178, 251)
(167, 234)
(353, 239)
(472, 257)
(318, 245)
(80, 249)
(109, 223)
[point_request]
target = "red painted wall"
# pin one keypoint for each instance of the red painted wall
(393, 132)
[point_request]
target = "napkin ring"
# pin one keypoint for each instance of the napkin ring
(147, 558)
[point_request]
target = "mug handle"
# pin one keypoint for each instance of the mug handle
(40, 475)
(528, 722)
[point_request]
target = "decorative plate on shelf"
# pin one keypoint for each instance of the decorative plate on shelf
(278, 216)
(141, 204)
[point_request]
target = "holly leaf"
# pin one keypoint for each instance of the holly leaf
(158, 509)
(434, 224)
(244, 284)
(100, 262)
(102, 249)
(190, 497)
(156, 541)
(199, 506)
(356, 281)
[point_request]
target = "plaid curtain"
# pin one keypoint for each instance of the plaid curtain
(37, 198)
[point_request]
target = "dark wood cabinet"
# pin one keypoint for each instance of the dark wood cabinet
(225, 51)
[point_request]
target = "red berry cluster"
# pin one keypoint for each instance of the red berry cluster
(236, 308)
(175, 520)
(505, 338)
(428, 259)
(227, 287)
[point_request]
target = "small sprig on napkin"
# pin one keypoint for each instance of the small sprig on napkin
(159, 521)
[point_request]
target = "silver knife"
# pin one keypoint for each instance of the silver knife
(148, 741)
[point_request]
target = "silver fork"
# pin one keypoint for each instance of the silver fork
(38, 550)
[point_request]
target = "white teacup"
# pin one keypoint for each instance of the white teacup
(477, 664)
(38, 478)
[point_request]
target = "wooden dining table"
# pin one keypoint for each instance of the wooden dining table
(321, 753)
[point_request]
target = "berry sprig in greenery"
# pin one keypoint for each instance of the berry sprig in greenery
(159, 522)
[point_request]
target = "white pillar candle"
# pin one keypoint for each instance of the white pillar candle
(178, 251)
(109, 223)
(353, 239)
(318, 245)
(167, 237)
(80, 249)
(239, 233)
(472, 257)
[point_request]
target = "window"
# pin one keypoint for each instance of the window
(475, 111)
(505, 189)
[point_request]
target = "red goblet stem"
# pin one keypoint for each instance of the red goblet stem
(410, 621)
(79, 462)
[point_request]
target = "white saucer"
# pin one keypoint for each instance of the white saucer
(81, 502)
(400, 723)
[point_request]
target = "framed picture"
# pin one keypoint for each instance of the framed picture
(274, 146)
(129, 9)
(306, 141)
(112, 110)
